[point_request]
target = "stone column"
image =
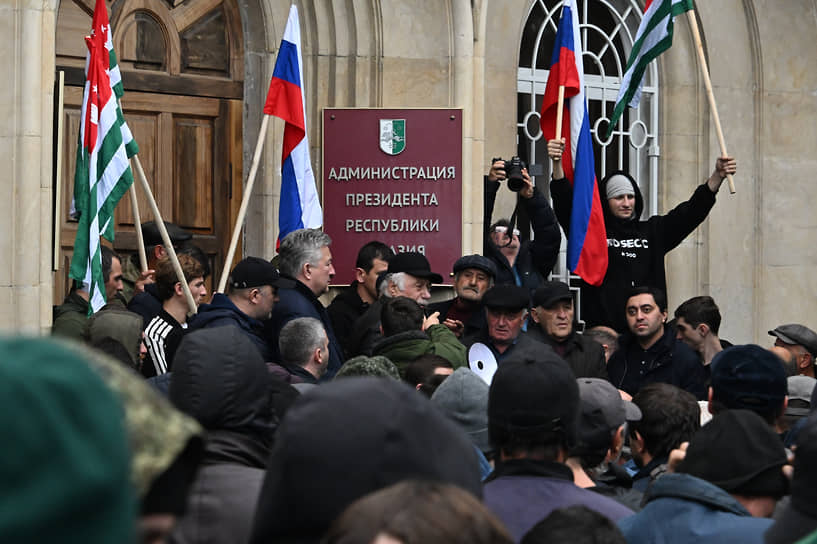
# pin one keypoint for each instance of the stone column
(27, 30)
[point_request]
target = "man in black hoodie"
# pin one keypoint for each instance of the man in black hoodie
(635, 248)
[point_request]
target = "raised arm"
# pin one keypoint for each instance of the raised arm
(561, 191)
(544, 247)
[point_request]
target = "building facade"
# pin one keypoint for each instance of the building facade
(196, 73)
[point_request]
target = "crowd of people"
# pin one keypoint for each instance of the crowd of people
(496, 416)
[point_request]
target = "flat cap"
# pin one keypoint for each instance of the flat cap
(475, 261)
(797, 335)
(550, 293)
(506, 297)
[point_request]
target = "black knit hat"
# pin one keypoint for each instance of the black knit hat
(749, 377)
(738, 452)
(534, 399)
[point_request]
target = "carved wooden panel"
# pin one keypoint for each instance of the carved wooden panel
(193, 173)
(182, 69)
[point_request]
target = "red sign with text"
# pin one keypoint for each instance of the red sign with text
(393, 175)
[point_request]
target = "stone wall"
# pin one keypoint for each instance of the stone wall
(754, 254)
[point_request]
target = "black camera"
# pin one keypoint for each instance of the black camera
(513, 173)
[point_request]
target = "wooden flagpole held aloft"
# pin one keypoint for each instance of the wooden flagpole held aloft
(242, 211)
(560, 106)
(140, 174)
(140, 239)
(696, 35)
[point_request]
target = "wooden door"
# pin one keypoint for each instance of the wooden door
(182, 72)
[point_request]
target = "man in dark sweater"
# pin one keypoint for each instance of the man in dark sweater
(351, 303)
(553, 324)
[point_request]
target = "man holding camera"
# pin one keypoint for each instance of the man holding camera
(525, 264)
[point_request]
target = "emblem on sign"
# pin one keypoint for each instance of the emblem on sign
(392, 135)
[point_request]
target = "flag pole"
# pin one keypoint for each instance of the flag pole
(242, 211)
(560, 105)
(140, 173)
(696, 35)
(140, 239)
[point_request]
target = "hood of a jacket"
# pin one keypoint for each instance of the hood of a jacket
(221, 306)
(639, 199)
(220, 379)
(120, 325)
(403, 344)
(686, 486)
(72, 303)
(348, 438)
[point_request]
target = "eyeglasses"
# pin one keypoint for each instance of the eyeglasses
(504, 230)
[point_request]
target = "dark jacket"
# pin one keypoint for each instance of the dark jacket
(403, 348)
(147, 303)
(522, 492)
(635, 248)
(524, 347)
(221, 502)
(222, 312)
(616, 483)
(344, 310)
(475, 323)
(667, 361)
(282, 374)
(220, 380)
(70, 317)
(585, 356)
(300, 301)
(649, 473)
(536, 256)
(366, 331)
(682, 508)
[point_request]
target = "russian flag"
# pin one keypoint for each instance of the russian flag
(299, 206)
(587, 237)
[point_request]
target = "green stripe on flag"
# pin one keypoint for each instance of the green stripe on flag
(654, 36)
(95, 199)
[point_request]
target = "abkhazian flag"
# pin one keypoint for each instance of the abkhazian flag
(102, 172)
(299, 206)
(586, 235)
(654, 36)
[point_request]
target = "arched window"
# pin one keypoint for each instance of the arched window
(607, 30)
